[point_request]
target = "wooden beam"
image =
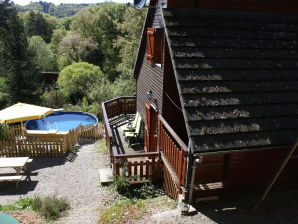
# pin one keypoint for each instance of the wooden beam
(284, 163)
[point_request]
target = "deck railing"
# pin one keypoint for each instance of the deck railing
(174, 154)
(136, 167)
(142, 170)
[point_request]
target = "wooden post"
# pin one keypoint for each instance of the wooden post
(283, 164)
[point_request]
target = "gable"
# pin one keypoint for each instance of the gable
(237, 75)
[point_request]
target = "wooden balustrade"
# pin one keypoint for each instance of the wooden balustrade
(173, 148)
(145, 168)
(118, 106)
(136, 167)
(114, 108)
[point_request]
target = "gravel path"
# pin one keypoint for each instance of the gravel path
(77, 180)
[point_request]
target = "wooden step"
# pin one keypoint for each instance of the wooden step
(105, 176)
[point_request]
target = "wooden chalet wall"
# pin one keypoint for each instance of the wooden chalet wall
(275, 6)
(150, 76)
(171, 100)
(240, 172)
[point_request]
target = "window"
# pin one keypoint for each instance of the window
(154, 45)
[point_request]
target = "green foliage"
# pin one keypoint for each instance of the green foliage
(50, 207)
(3, 131)
(21, 204)
(53, 99)
(77, 80)
(128, 39)
(4, 92)
(102, 146)
(100, 24)
(62, 10)
(43, 56)
(16, 62)
(57, 37)
(76, 48)
(122, 211)
(25, 203)
(146, 191)
(39, 24)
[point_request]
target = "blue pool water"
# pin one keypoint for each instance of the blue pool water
(62, 121)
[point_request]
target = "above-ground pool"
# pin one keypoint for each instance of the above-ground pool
(62, 121)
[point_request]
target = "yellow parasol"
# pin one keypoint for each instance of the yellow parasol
(23, 112)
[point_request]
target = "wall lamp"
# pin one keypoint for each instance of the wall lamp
(149, 94)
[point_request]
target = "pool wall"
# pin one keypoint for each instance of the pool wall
(61, 121)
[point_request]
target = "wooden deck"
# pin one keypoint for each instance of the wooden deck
(120, 145)
(165, 164)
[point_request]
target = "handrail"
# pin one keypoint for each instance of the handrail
(106, 120)
(173, 133)
(137, 155)
(119, 98)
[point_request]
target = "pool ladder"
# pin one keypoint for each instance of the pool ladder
(55, 126)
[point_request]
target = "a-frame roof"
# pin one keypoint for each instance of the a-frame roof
(237, 76)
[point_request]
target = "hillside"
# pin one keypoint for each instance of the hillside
(60, 11)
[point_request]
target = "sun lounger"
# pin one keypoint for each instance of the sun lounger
(131, 126)
(133, 136)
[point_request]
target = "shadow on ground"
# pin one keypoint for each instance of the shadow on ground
(9, 188)
(279, 207)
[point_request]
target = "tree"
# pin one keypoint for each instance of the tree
(57, 37)
(75, 48)
(100, 24)
(4, 93)
(18, 69)
(76, 81)
(38, 24)
(43, 56)
(127, 41)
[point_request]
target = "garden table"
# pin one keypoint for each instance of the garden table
(16, 163)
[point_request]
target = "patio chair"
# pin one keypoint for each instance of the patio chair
(133, 136)
(131, 126)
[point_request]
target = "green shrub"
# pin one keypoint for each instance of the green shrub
(23, 203)
(122, 211)
(50, 207)
(146, 191)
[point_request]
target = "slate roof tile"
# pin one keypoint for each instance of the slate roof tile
(237, 75)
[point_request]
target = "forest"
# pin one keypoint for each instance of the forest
(93, 50)
(62, 10)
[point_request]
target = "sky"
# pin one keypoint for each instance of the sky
(57, 2)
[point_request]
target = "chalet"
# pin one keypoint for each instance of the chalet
(217, 90)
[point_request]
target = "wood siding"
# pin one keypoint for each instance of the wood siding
(242, 172)
(150, 76)
(286, 6)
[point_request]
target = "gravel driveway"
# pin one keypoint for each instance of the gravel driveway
(75, 177)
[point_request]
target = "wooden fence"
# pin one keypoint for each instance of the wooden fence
(46, 145)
